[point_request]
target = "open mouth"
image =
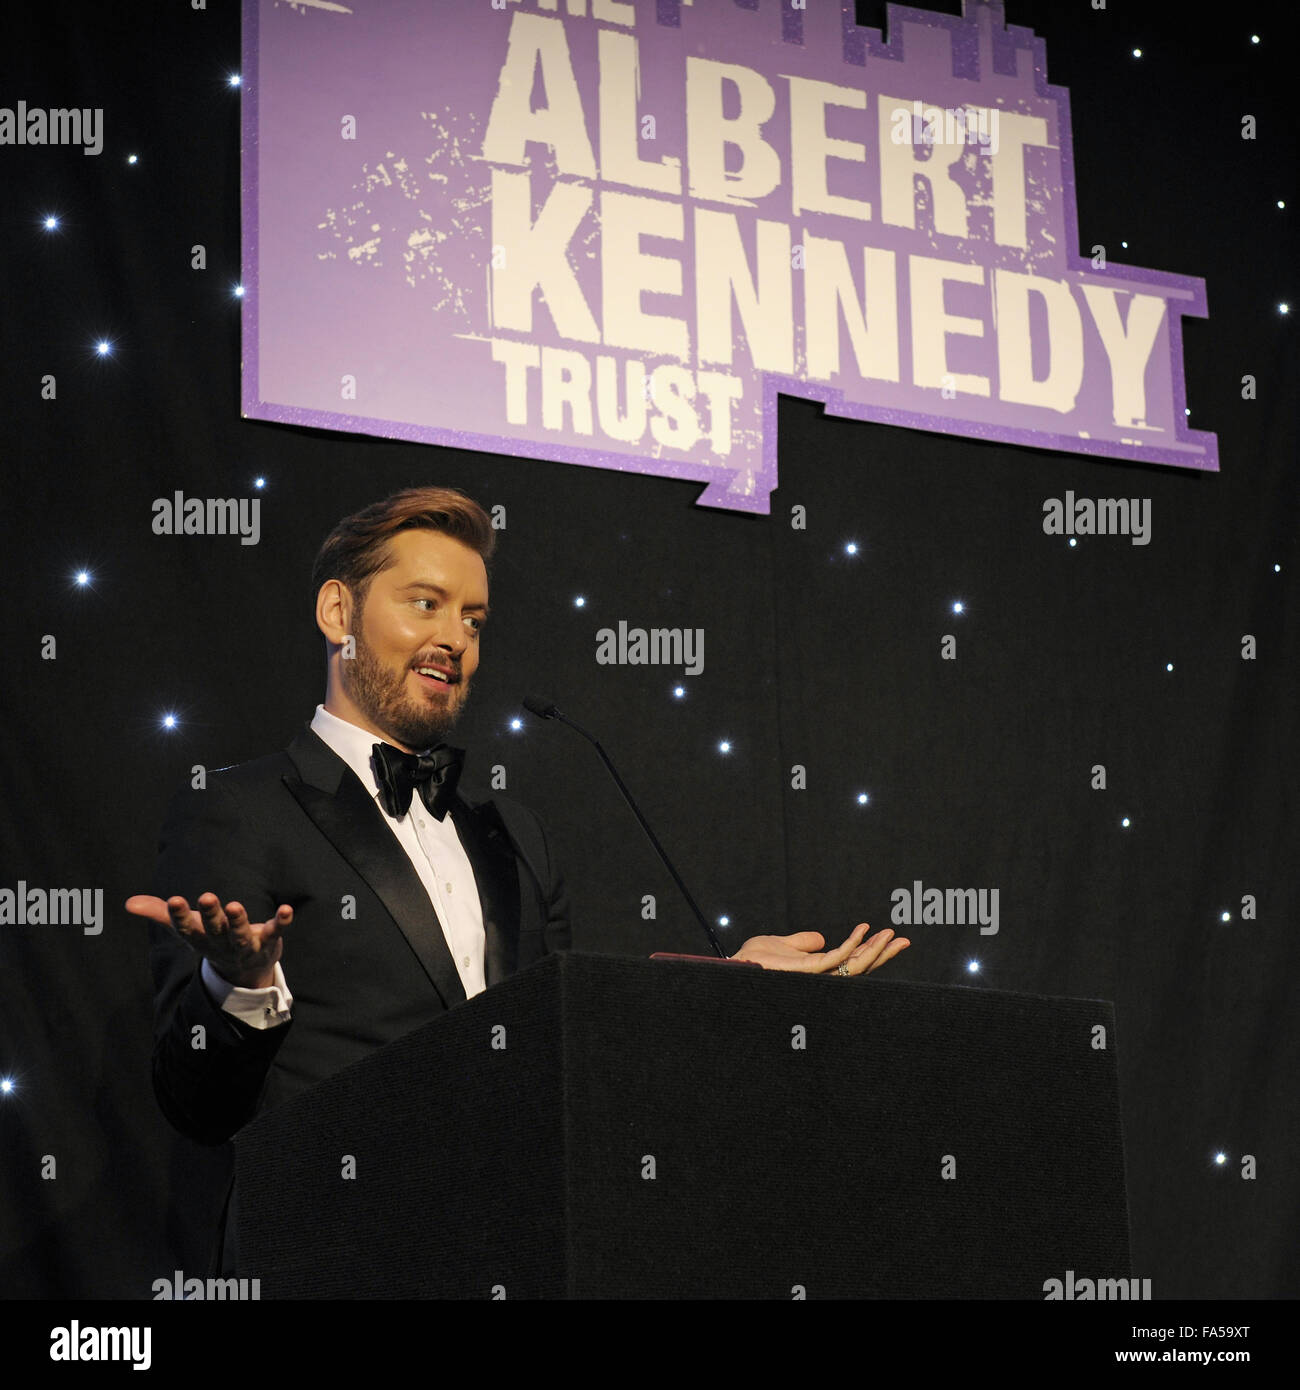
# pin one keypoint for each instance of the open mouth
(436, 677)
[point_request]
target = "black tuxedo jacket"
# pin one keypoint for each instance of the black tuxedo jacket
(365, 956)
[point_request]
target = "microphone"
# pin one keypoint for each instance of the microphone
(545, 709)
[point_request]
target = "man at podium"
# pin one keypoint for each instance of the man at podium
(313, 905)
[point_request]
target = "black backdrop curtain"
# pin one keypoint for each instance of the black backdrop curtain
(979, 770)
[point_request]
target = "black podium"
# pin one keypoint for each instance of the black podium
(602, 1127)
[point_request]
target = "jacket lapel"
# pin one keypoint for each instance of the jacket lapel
(348, 816)
(351, 820)
(489, 848)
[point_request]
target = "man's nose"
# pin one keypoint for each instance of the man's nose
(452, 634)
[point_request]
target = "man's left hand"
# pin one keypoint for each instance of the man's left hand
(805, 951)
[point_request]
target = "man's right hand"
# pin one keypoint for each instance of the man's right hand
(240, 951)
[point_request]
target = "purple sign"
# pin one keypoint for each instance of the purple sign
(610, 232)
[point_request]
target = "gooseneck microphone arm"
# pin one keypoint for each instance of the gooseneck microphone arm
(544, 709)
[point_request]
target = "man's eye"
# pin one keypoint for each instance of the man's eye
(476, 623)
(429, 601)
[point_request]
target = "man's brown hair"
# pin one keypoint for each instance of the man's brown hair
(357, 548)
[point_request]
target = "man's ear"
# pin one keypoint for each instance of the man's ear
(334, 611)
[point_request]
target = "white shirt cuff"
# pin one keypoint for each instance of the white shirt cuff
(260, 1008)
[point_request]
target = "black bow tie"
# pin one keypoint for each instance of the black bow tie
(435, 773)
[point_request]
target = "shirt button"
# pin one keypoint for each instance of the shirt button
(448, 887)
(466, 962)
(420, 823)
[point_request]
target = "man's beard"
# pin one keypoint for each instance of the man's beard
(383, 697)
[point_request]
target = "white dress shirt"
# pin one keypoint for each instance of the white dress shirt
(436, 854)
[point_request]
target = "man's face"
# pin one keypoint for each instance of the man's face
(425, 610)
